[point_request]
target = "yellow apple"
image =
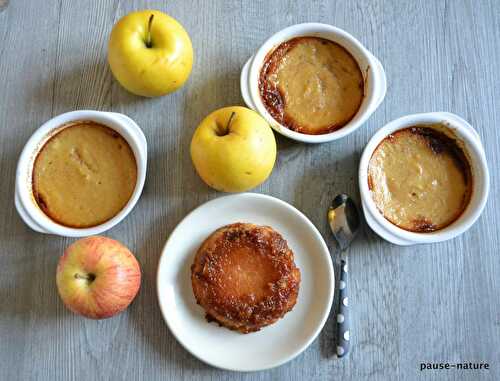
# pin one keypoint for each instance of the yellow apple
(150, 53)
(233, 149)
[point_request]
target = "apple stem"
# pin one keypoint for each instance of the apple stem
(226, 130)
(148, 36)
(89, 277)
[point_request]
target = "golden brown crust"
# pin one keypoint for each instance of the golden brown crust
(439, 146)
(273, 96)
(84, 174)
(244, 276)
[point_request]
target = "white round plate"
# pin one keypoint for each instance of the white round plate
(273, 345)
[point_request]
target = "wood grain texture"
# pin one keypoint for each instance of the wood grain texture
(408, 305)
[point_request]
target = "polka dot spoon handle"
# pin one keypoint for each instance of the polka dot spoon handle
(343, 313)
(343, 218)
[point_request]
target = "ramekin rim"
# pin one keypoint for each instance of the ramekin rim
(465, 132)
(290, 32)
(131, 132)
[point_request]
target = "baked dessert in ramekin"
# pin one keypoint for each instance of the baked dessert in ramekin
(439, 183)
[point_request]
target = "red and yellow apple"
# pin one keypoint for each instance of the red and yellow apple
(150, 53)
(98, 277)
(233, 149)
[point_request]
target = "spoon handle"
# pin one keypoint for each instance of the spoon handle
(343, 313)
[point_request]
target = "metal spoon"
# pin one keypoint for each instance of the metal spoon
(343, 217)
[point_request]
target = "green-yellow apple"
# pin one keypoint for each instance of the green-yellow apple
(233, 149)
(150, 53)
(98, 277)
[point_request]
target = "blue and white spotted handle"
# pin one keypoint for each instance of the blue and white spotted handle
(343, 313)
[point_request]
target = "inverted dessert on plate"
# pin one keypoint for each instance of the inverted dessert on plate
(311, 85)
(245, 277)
(420, 178)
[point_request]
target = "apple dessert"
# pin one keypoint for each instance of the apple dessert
(84, 175)
(420, 178)
(311, 85)
(244, 276)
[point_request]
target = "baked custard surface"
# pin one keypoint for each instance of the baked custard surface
(420, 178)
(84, 175)
(244, 276)
(311, 85)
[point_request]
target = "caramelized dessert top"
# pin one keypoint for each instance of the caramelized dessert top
(244, 276)
(311, 85)
(420, 178)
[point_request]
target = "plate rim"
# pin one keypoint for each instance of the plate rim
(326, 254)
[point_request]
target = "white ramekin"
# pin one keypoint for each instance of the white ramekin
(481, 180)
(373, 73)
(26, 205)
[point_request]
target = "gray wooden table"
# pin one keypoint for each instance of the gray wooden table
(409, 305)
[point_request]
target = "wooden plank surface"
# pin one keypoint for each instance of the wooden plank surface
(409, 305)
